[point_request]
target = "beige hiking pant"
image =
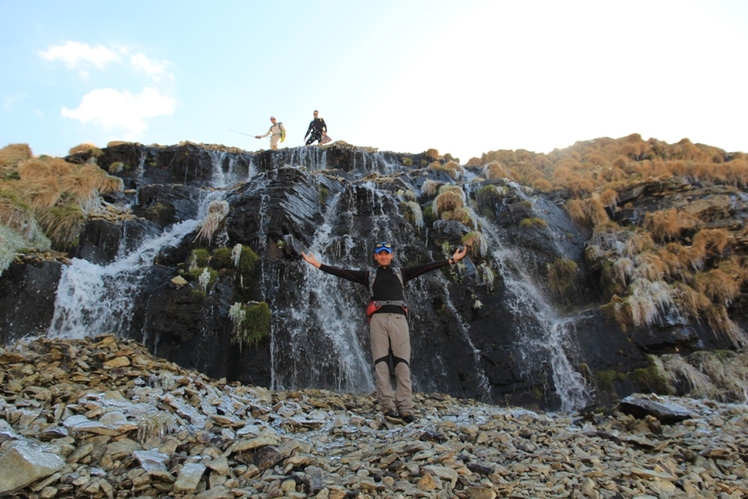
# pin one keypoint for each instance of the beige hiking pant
(274, 139)
(391, 332)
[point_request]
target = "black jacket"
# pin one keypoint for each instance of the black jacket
(387, 286)
(316, 127)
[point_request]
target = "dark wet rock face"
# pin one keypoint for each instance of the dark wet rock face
(27, 298)
(203, 236)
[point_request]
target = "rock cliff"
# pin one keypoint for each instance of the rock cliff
(198, 259)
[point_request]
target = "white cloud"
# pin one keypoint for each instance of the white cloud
(76, 55)
(113, 109)
(142, 63)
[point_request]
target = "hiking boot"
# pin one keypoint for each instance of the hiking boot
(392, 417)
(407, 417)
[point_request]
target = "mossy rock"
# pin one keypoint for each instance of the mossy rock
(199, 256)
(222, 259)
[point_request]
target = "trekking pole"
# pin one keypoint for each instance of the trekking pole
(248, 135)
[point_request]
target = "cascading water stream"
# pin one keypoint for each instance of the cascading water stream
(327, 312)
(544, 339)
(93, 299)
(96, 299)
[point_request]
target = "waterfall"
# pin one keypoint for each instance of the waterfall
(94, 299)
(323, 341)
(335, 317)
(97, 299)
(545, 337)
(313, 158)
(220, 179)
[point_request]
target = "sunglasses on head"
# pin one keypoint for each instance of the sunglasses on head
(383, 247)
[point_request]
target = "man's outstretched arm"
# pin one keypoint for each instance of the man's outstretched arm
(359, 276)
(311, 259)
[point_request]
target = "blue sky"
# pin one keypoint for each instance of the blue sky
(464, 77)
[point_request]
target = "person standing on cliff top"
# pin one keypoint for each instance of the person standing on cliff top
(277, 133)
(388, 323)
(317, 129)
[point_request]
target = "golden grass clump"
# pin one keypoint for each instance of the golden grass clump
(649, 266)
(12, 154)
(678, 260)
(217, 211)
(590, 211)
(451, 168)
(542, 185)
(42, 193)
(433, 154)
(454, 169)
(609, 198)
(450, 198)
(87, 148)
(736, 268)
(736, 172)
(460, 214)
(667, 225)
(81, 185)
(711, 242)
(63, 222)
(43, 168)
(494, 170)
(689, 301)
(476, 243)
(719, 321)
(430, 187)
(717, 285)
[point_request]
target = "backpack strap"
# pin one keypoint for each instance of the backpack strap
(373, 277)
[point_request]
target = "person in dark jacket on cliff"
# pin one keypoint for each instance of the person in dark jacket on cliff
(317, 129)
(388, 323)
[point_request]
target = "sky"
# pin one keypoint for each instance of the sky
(464, 77)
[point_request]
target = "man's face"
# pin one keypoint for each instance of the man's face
(383, 258)
(273, 120)
(316, 114)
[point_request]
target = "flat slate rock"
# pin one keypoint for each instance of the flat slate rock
(667, 412)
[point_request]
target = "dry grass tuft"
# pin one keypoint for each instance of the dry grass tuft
(449, 199)
(711, 242)
(678, 261)
(589, 212)
(718, 286)
(42, 193)
(460, 214)
(11, 155)
(609, 198)
(476, 243)
(433, 154)
(494, 170)
(667, 225)
(15, 213)
(87, 148)
(720, 322)
(430, 187)
(63, 223)
(217, 211)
